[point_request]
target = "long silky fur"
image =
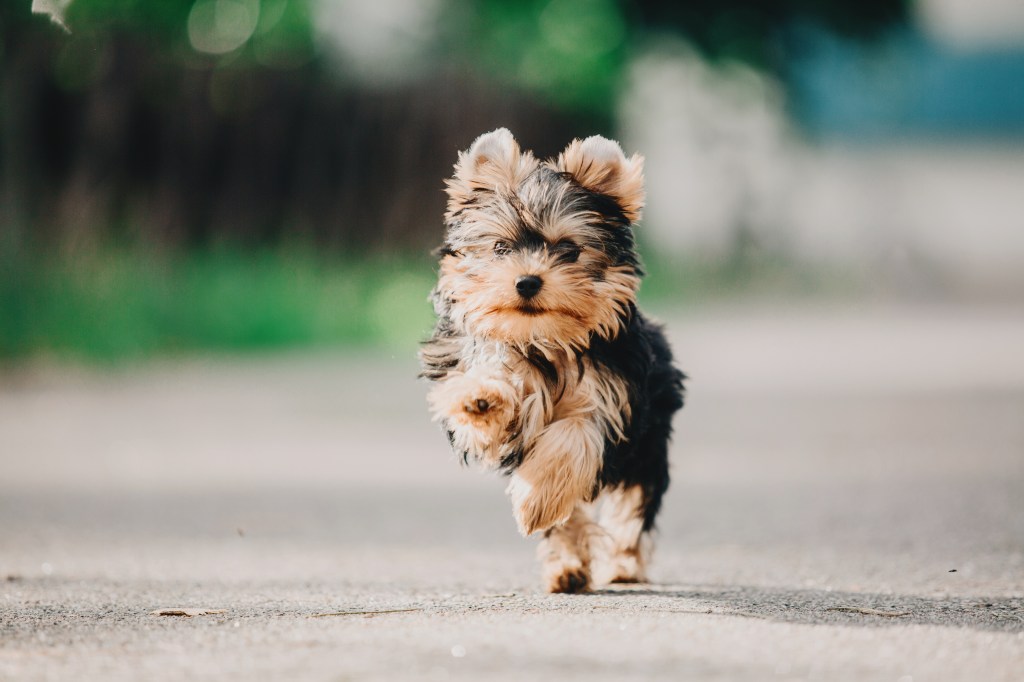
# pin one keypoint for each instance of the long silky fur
(571, 391)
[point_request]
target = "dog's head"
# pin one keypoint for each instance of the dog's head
(541, 252)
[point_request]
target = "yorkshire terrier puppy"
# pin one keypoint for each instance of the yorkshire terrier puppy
(543, 366)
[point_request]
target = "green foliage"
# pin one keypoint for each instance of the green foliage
(571, 52)
(120, 305)
(274, 33)
(165, 19)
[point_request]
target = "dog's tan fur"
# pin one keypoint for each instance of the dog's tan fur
(516, 384)
(622, 521)
(573, 305)
(565, 552)
(565, 426)
(562, 426)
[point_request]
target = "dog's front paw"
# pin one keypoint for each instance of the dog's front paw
(477, 411)
(565, 555)
(472, 399)
(566, 579)
(477, 406)
(484, 406)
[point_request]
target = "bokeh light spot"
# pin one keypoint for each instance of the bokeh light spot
(221, 26)
(586, 28)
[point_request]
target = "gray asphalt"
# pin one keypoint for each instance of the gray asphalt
(848, 504)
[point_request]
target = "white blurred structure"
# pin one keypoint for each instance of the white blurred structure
(387, 40)
(718, 154)
(723, 165)
(973, 23)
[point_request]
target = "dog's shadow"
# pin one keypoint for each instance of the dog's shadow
(810, 606)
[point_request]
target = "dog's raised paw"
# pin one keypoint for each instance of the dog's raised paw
(476, 406)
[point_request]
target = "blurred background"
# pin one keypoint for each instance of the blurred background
(215, 225)
(205, 175)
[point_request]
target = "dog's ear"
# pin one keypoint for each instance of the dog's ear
(492, 162)
(493, 153)
(598, 164)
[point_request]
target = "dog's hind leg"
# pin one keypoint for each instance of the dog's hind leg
(630, 506)
(565, 552)
(627, 543)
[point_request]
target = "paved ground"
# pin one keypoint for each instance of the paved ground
(848, 505)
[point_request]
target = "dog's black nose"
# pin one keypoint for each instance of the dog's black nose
(528, 285)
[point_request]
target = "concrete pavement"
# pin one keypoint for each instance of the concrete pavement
(848, 504)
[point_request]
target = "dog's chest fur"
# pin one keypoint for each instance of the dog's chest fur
(550, 385)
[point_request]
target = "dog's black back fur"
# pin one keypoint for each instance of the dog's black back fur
(641, 355)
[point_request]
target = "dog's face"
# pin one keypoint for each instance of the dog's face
(541, 252)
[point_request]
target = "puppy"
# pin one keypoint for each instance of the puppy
(543, 366)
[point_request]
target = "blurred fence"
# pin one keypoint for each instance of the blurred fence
(238, 173)
(116, 142)
(188, 122)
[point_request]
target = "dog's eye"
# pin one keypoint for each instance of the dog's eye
(566, 252)
(502, 249)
